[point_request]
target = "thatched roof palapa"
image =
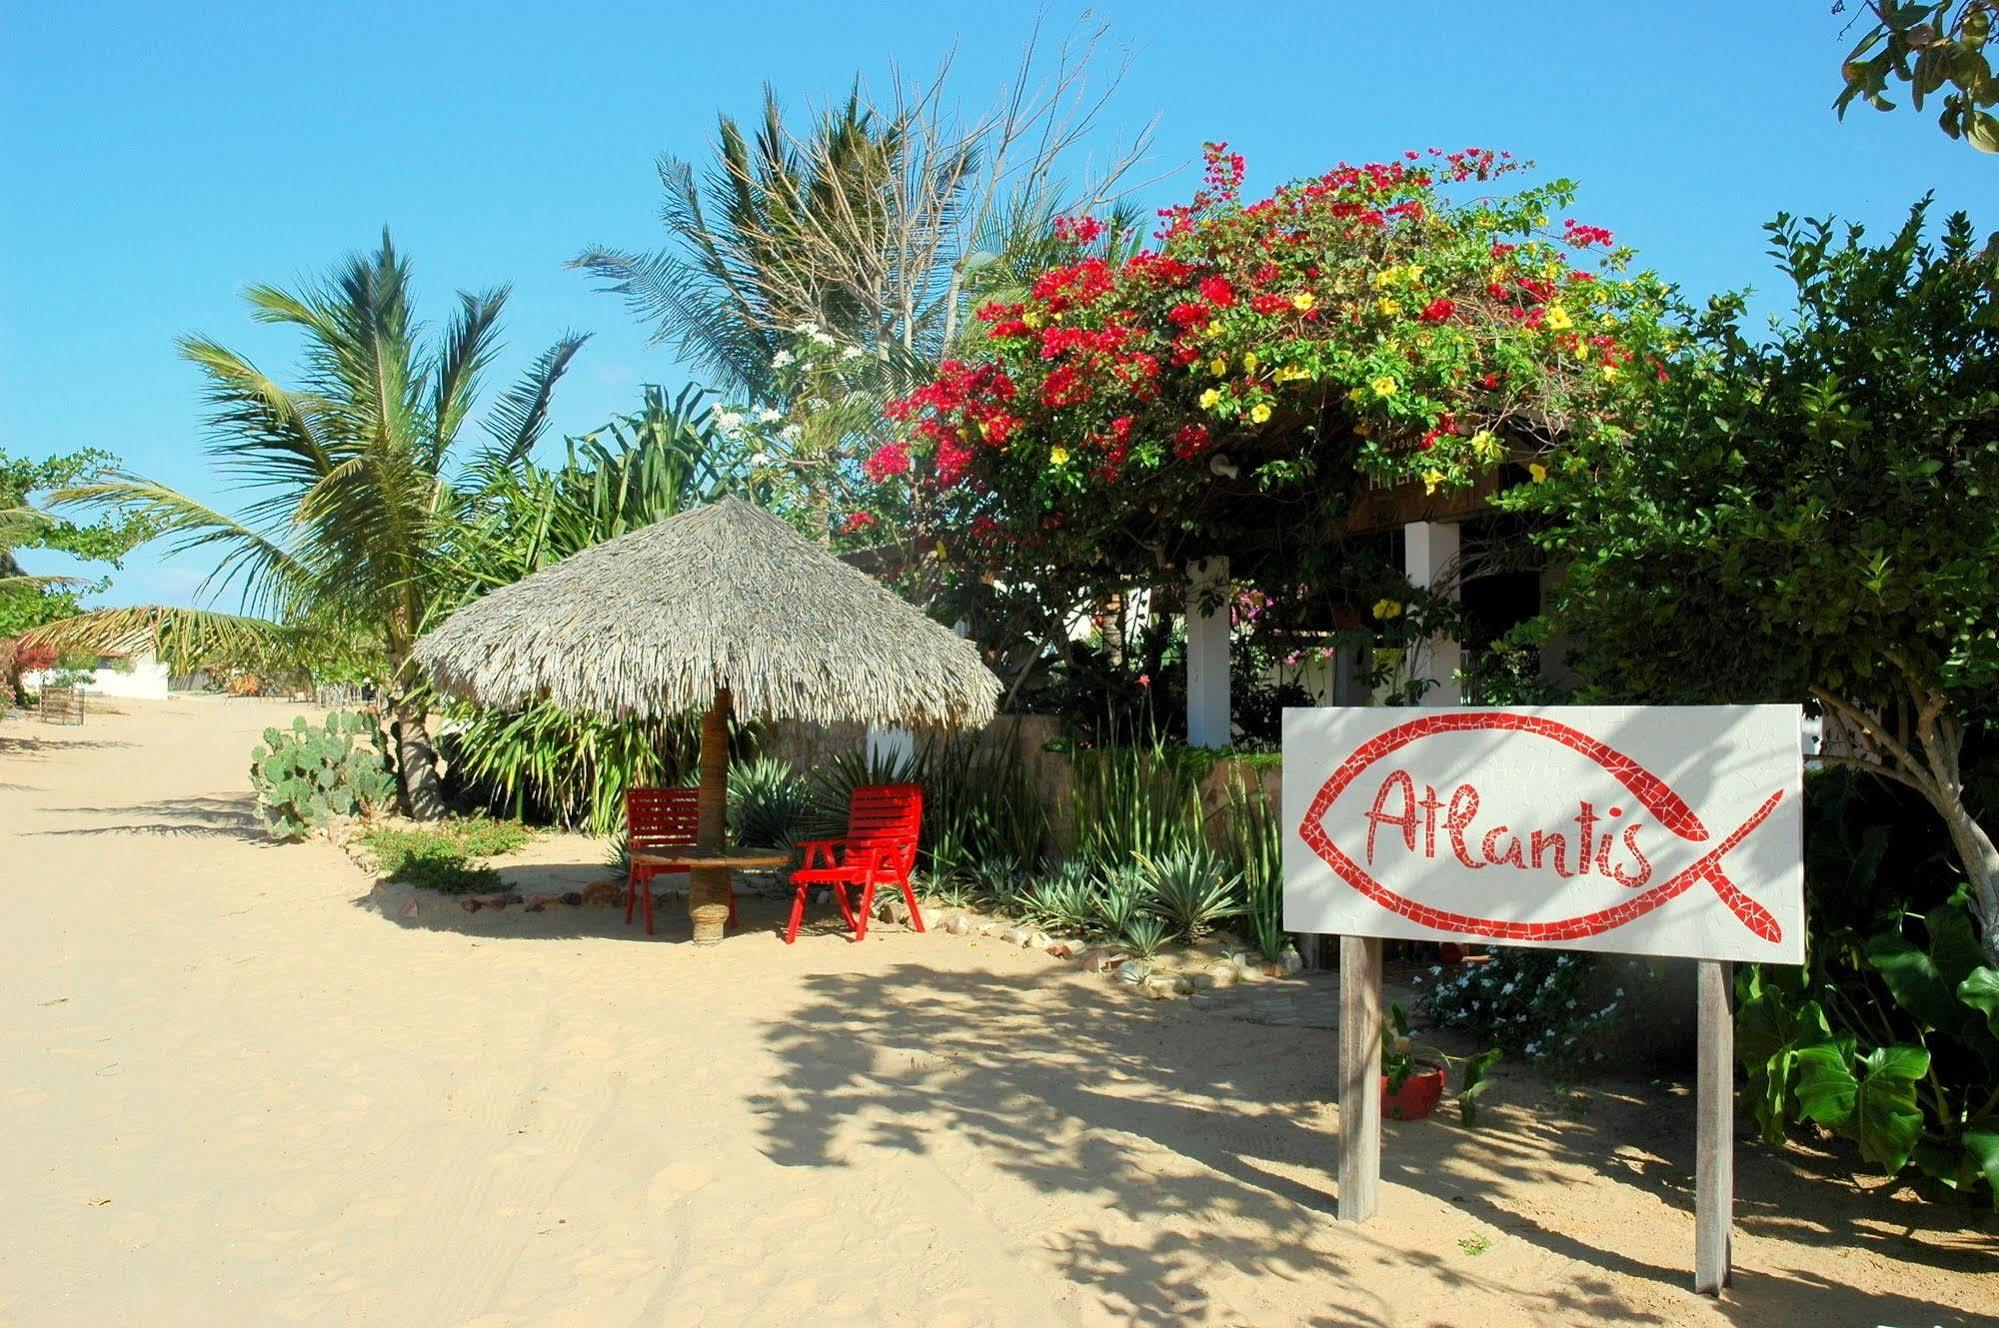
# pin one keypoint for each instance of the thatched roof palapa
(726, 596)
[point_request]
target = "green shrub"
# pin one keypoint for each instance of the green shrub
(570, 769)
(1566, 1012)
(1065, 901)
(1888, 1036)
(444, 856)
(305, 776)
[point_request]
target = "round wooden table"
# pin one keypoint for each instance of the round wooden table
(711, 920)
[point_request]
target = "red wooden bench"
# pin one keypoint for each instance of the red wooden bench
(883, 822)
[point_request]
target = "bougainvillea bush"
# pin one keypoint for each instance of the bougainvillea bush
(1228, 389)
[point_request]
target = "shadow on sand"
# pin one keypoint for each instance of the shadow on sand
(1068, 1090)
(194, 817)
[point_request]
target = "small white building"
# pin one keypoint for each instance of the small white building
(137, 675)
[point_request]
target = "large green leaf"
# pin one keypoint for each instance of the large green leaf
(1875, 1107)
(1912, 976)
(1980, 990)
(1983, 1146)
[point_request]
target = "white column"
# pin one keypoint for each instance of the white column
(1429, 550)
(1208, 654)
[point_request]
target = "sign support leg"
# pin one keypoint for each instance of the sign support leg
(1360, 1077)
(1714, 1148)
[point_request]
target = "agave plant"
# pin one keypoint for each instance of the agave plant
(1190, 891)
(1145, 936)
(769, 803)
(1065, 901)
(1120, 900)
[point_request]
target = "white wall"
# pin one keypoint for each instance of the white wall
(147, 681)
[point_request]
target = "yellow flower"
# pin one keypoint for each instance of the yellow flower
(1582, 349)
(1210, 397)
(1219, 365)
(1249, 362)
(1538, 471)
(1291, 373)
(1414, 272)
(1431, 479)
(1558, 318)
(1259, 412)
(1385, 277)
(1303, 300)
(1609, 371)
(1384, 609)
(1058, 456)
(942, 554)
(1031, 318)
(1385, 386)
(1389, 308)
(1485, 446)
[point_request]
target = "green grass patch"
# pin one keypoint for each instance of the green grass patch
(445, 856)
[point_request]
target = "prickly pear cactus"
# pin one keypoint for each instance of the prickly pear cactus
(305, 776)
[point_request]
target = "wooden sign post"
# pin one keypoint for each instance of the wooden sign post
(1622, 829)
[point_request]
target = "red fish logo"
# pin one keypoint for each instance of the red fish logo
(1652, 793)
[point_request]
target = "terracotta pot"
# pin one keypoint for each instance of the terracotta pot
(1421, 1092)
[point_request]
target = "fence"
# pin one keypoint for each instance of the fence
(62, 705)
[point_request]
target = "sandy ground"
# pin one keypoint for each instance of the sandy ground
(235, 1091)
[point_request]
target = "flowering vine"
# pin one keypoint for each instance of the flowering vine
(1230, 386)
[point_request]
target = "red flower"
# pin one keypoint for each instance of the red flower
(1191, 441)
(1218, 292)
(858, 521)
(1270, 304)
(1439, 310)
(886, 460)
(1187, 315)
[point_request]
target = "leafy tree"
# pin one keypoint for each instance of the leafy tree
(354, 496)
(29, 601)
(1926, 46)
(1811, 516)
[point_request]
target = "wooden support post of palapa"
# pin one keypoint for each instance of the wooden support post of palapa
(1714, 1143)
(1360, 1077)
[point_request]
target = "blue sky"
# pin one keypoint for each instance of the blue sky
(155, 159)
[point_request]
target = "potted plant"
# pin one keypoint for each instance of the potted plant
(1413, 1078)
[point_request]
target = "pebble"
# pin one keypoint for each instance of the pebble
(1133, 971)
(959, 925)
(573, 898)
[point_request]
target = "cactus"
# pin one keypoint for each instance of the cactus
(305, 776)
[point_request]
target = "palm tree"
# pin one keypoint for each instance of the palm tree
(350, 506)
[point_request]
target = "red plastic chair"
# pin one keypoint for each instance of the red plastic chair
(883, 822)
(659, 821)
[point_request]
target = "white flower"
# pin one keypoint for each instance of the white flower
(850, 353)
(1436, 969)
(779, 360)
(789, 433)
(806, 329)
(769, 416)
(759, 458)
(820, 338)
(1620, 991)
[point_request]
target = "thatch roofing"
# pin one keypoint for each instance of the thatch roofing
(655, 621)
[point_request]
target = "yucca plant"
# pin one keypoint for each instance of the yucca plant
(1190, 891)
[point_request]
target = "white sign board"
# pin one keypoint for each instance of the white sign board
(1659, 830)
